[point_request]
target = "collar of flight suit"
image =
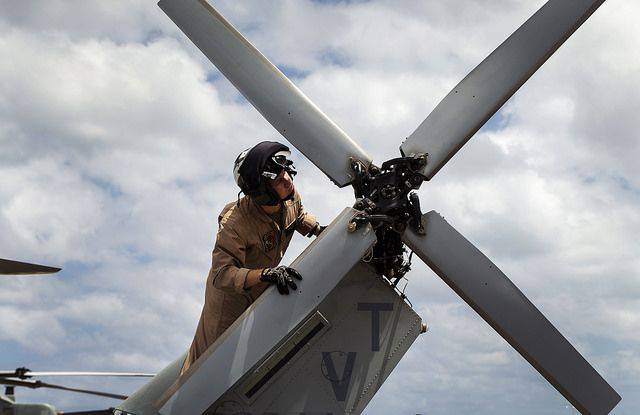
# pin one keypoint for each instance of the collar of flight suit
(257, 212)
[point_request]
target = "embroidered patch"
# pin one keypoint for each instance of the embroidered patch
(269, 241)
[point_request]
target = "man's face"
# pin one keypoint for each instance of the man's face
(282, 185)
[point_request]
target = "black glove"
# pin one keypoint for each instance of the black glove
(282, 276)
(317, 230)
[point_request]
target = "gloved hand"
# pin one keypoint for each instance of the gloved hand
(282, 276)
(317, 230)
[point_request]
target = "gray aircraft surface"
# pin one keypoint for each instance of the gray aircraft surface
(23, 377)
(330, 347)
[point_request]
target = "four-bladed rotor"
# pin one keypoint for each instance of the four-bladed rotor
(384, 194)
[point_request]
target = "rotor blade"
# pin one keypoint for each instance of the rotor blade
(9, 267)
(25, 373)
(481, 93)
(115, 374)
(96, 412)
(89, 392)
(32, 384)
(286, 108)
(36, 384)
(501, 304)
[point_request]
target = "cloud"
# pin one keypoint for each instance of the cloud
(79, 20)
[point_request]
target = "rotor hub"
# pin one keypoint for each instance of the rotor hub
(386, 199)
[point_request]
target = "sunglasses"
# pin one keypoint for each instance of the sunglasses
(276, 165)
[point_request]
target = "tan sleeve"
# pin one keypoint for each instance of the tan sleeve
(307, 222)
(228, 261)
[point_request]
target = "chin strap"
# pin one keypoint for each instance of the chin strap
(290, 197)
(265, 195)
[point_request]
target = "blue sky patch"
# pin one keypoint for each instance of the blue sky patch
(292, 72)
(334, 57)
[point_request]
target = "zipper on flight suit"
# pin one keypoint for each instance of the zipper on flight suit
(282, 230)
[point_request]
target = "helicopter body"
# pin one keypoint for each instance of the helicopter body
(8, 406)
(327, 349)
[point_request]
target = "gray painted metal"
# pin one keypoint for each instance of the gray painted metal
(287, 109)
(9, 267)
(271, 318)
(501, 304)
(142, 401)
(8, 407)
(263, 326)
(481, 93)
(341, 370)
(34, 409)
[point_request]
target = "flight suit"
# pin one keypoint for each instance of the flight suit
(247, 238)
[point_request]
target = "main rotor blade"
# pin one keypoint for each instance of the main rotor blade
(24, 373)
(97, 412)
(286, 108)
(36, 384)
(9, 267)
(501, 304)
(481, 93)
(112, 374)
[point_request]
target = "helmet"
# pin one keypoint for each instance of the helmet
(265, 160)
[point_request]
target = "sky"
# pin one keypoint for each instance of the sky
(117, 139)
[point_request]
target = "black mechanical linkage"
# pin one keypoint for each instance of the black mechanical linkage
(385, 197)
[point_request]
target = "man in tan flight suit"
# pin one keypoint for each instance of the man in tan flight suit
(253, 235)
